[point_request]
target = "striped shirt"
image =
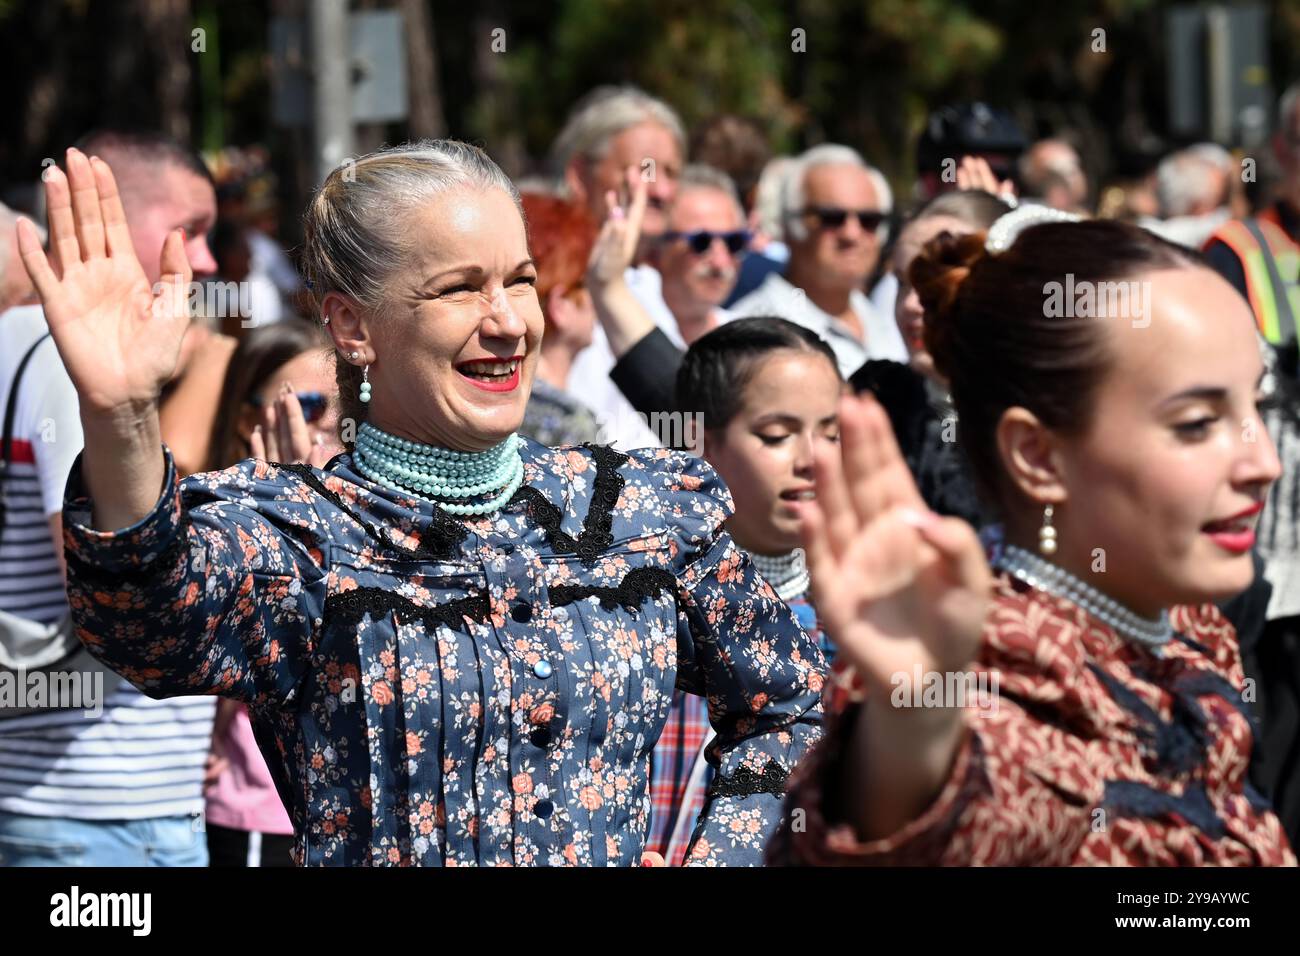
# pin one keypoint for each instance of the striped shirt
(46, 440)
(138, 758)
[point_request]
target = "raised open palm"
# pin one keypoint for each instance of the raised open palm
(895, 585)
(616, 244)
(119, 339)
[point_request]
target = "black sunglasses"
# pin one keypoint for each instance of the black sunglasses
(314, 404)
(831, 218)
(700, 241)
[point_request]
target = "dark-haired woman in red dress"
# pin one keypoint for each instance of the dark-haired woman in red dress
(1115, 428)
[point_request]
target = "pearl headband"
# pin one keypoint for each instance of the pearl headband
(1002, 234)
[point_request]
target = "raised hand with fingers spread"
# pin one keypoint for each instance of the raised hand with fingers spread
(897, 588)
(284, 436)
(623, 318)
(976, 173)
(119, 338)
(896, 584)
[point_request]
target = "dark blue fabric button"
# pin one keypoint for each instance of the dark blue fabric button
(543, 808)
(506, 548)
(541, 738)
(542, 669)
(522, 613)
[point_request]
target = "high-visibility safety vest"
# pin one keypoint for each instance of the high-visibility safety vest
(1271, 261)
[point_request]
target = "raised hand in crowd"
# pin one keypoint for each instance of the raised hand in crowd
(974, 172)
(622, 317)
(283, 435)
(897, 588)
(119, 339)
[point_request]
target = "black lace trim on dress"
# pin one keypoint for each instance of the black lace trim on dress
(595, 536)
(350, 607)
(438, 541)
(629, 594)
(745, 782)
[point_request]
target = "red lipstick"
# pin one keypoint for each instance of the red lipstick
(508, 384)
(1235, 534)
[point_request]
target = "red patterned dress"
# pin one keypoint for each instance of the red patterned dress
(1098, 752)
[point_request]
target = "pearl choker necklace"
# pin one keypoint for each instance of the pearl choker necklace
(460, 482)
(1055, 580)
(787, 573)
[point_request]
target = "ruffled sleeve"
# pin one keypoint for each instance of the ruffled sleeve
(219, 589)
(741, 648)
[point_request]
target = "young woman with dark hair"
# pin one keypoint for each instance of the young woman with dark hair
(765, 394)
(1122, 446)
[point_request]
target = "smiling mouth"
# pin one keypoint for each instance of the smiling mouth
(491, 371)
(808, 494)
(1240, 524)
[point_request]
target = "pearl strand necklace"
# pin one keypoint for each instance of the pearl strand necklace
(787, 573)
(1057, 581)
(441, 475)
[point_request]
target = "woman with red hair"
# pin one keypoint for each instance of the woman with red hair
(560, 235)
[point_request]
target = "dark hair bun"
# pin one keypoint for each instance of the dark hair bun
(937, 274)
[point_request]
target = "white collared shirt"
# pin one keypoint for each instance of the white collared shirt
(778, 297)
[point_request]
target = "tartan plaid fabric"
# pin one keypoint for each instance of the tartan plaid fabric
(680, 745)
(676, 801)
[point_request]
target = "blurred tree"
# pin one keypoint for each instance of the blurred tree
(864, 72)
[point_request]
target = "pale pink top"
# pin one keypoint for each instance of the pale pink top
(244, 798)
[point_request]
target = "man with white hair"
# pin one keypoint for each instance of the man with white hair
(834, 208)
(1193, 191)
(612, 131)
(614, 136)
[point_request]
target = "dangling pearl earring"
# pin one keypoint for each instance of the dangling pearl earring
(365, 384)
(1047, 534)
(324, 319)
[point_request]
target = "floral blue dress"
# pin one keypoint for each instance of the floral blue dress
(439, 691)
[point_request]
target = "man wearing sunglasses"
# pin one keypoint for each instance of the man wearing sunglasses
(698, 256)
(834, 208)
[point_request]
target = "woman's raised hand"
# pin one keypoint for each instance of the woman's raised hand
(624, 320)
(895, 585)
(284, 436)
(976, 173)
(119, 339)
(615, 246)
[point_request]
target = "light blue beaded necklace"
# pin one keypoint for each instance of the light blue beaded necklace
(449, 478)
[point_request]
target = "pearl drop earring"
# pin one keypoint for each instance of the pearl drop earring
(365, 384)
(1047, 534)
